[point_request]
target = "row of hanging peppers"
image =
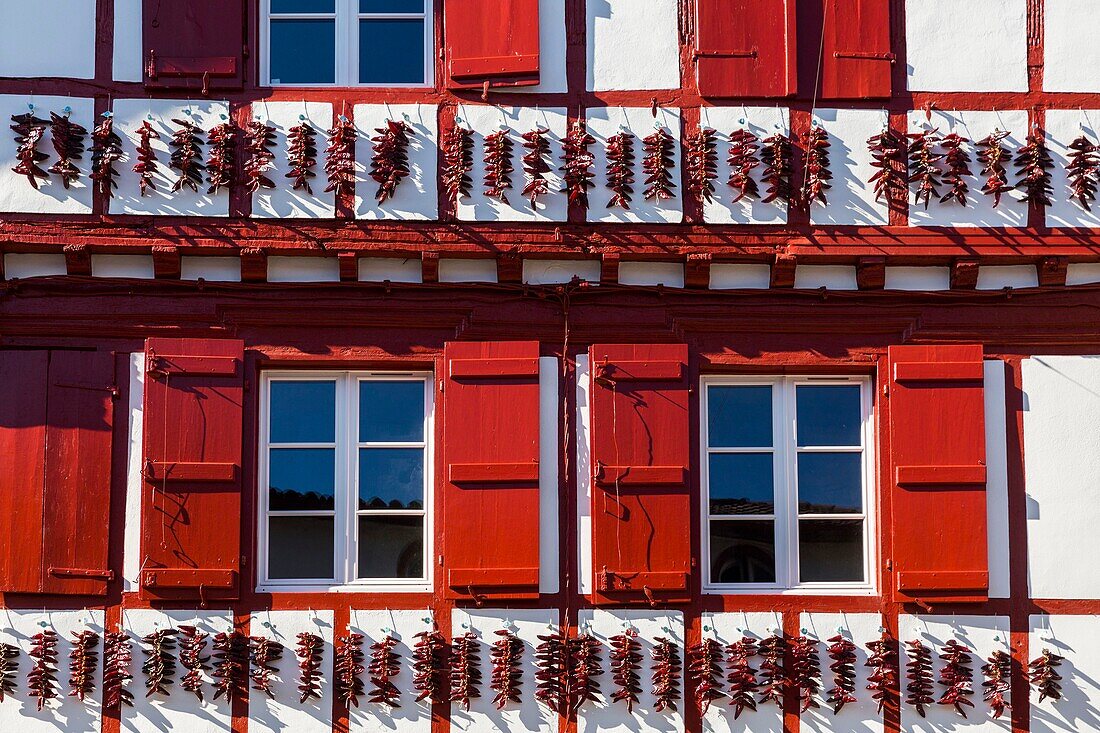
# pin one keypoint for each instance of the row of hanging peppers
(747, 673)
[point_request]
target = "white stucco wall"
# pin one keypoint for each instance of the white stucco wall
(633, 44)
(415, 197)
(851, 199)
(51, 38)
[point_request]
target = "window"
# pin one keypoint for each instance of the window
(347, 42)
(786, 479)
(345, 472)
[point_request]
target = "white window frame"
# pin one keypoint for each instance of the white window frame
(346, 512)
(785, 476)
(346, 62)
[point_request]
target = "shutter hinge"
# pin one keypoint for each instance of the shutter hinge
(112, 390)
(885, 390)
(440, 560)
(83, 573)
(889, 564)
(867, 55)
(737, 54)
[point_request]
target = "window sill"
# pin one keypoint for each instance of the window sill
(351, 588)
(828, 590)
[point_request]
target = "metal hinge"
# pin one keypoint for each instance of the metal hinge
(83, 573)
(112, 390)
(869, 55)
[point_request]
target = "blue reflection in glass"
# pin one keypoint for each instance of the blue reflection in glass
(830, 483)
(739, 417)
(391, 6)
(302, 479)
(391, 412)
(303, 51)
(828, 415)
(391, 51)
(391, 478)
(303, 412)
(741, 483)
(303, 6)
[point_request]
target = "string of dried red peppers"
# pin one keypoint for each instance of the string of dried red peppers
(805, 671)
(498, 165)
(992, 155)
(301, 155)
(146, 164)
(9, 666)
(193, 659)
(186, 157)
(818, 174)
(667, 669)
(552, 670)
(42, 678)
(263, 654)
(924, 166)
(957, 161)
(778, 169)
(658, 160)
(997, 672)
(1033, 164)
(888, 152)
(259, 139)
(83, 664)
(740, 675)
(918, 670)
(390, 157)
(160, 665)
(67, 138)
(310, 653)
(701, 161)
(625, 658)
(584, 669)
(506, 657)
(117, 655)
(106, 151)
(743, 160)
(29, 131)
(883, 663)
(620, 169)
(221, 164)
(957, 677)
(577, 174)
(385, 664)
(536, 163)
(429, 666)
(1083, 170)
(340, 157)
(458, 161)
(773, 675)
(230, 664)
(705, 670)
(842, 656)
(465, 669)
(348, 669)
(1043, 675)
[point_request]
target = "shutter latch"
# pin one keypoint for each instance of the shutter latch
(736, 54)
(868, 55)
(107, 575)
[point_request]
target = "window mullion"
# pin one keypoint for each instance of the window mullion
(351, 505)
(790, 446)
(351, 55)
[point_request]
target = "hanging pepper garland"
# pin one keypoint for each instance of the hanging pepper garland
(68, 143)
(740, 675)
(705, 670)
(83, 664)
(620, 169)
(701, 162)
(389, 163)
(498, 165)
(1033, 164)
(957, 161)
(146, 164)
(536, 163)
(385, 664)
(160, 664)
(883, 662)
(806, 671)
(186, 155)
(818, 174)
(997, 672)
(348, 670)
(263, 654)
(221, 164)
(117, 655)
(658, 160)
(301, 155)
(429, 667)
(193, 659)
(842, 656)
(773, 675)
(310, 653)
(259, 139)
(552, 670)
(743, 160)
(626, 658)
(775, 155)
(340, 157)
(106, 151)
(42, 678)
(888, 152)
(506, 657)
(993, 156)
(1083, 171)
(957, 677)
(230, 664)
(667, 668)
(458, 161)
(584, 669)
(9, 666)
(918, 670)
(924, 166)
(29, 131)
(577, 161)
(465, 669)
(1043, 674)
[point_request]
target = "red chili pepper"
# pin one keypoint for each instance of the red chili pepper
(620, 169)
(919, 673)
(68, 143)
(106, 151)
(805, 671)
(743, 160)
(117, 655)
(385, 664)
(301, 156)
(888, 151)
(883, 662)
(506, 657)
(187, 155)
(348, 669)
(310, 654)
(773, 676)
(230, 664)
(263, 653)
(993, 156)
(957, 676)
(390, 158)
(146, 164)
(552, 675)
(658, 160)
(705, 670)
(221, 166)
(465, 669)
(842, 653)
(1083, 170)
(925, 170)
(577, 163)
(1044, 677)
(29, 131)
(42, 678)
(701, 162)
(9, 666)
(584, 669)
(160, 664)
(1033, 163)
(259, 139)
(498, 165)
(429, 666)
(340, 157)
(818, 174)
(667, 668)
(998, 682)
(958, 168)
(740, 676)
(192, 645)
(458, 160)
(83, 664)
(626, 658)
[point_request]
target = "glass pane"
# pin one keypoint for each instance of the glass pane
(830, 483)
(302, 479)
(831, 550)
(828, 415)
(391, 6)
(391, 412)
(299, 548)
(391, 547)
(741, 483)
(391, 52)
(740, 417)
(303, 412)
(303, 51)
(391, 478)
(742, 552)
(303, 6)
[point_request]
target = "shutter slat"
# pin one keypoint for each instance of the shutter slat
(494, 42)
(858, 62)
(197, 45)
(746, 48)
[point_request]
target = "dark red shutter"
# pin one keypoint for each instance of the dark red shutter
(746, 48)
(857, 62)
(197, 44)
(937, 446)
(641, 506)
(494, 42)
(191, 509)
(491, 449)
(56, 416)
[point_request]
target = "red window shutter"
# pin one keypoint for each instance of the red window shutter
(491, 449)
(56, 418)
(746, 48)
(641, 506)
(937, 446)
(494, 42)
(191, 508)
(197, 44)
(857, 62)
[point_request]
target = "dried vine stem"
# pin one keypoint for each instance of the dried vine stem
(390, 157)
(620, 169)
(626, 659)
(743, 160)
(42, 678)
(506, 656)
(957, 677)
(883, 662)
(160, 665)
(740, 675)
(429, 666)
(993, 156)
(924, 166)
(348, 670)
(577, 174)
(1083, 171)
(146, 164)
(957, 161)
(658, 160)
(186, 155)
(498, 165)
(465, 669)
(818, 174)
(106, 151)
(68, 142)
(997, 672)
(918, 670)
(83, 664)
(340, 157)
(301, 156)
(552, 670)
(842, 656)
(193, 659)
(29, 131)
(773, 675)
(385, 664)
(889, 152)
(536, 163)
(778, 169)
(584, 669)
(310, 653)
(259, 139)
(230, 664)
(806, 671)
(667, 668)
(1033, 164)
(701, 161)
(458, 161)
(1042, 672)
(221, 164)
(117, 655)
(705, 670)
(263, 654)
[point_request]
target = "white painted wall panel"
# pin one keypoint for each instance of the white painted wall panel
(861, 716)
(283, 712)
(454, 270)
(918, 278)
(410, 716)
(285, 269)
(833, 277)
(179, 710)
(283, 201)
(996, 483)
(763, 122)
(730, 276)
(485, 120)
(608, 121)
(583, 427)
(215, 269)
(549, 456)
(612, 717)
(556, 272)
(1077, 639)
(20, 711)
(51, 197)
(18, 265)
(1071, 61)
(132, 266)
(1083, 273)
(669, 274)
(394, 269)
(131, 534)
(633, 44)
(851, 198)
(416, 196)
(1062, 450)
(1007, 276)
(552, 51)
(979, 211)
(129, 115)
(728, 628)
(972, 46)
(127, 63)
(48, 39)
(1062, 127)
(982, 635)
(530, 716)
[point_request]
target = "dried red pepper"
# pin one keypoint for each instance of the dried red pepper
(390, 157)
(536, 163)
(806, 671)
(701, 162)
(1083, 171)
(775, 155)
(221, 164)
(458, 161)
(957, 161)
(957, 676)
(429, 666)
(625, 658)
(889, 153)
(818, 174)
(993, 156)
(263, 654)
(667, 669)
(83, 664)
(552, 670)
(842, 655)
(259, 139)
(705, 670)
(740, 676)
(230, 664)
(1043, 674)
(773, 675)
(117, 655)
(146, 164)
(577, 162)
(348, 670)
(192, 645)
(1033, 164)
(506, 657)
(340, 157)
(310, 653)
(883, 662)
(160, 665)
(42, 678)
(498, 165)
(658, 160)
(68, 143)
(998, 682)
(385, 664)
(465, 669)
(743, 160)
(106, 151)
(924, 166)
(186, 155)
(584, 669)
(29, 131)
(620, 169)
(301, 156)
(918, 670)
(8, 669)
